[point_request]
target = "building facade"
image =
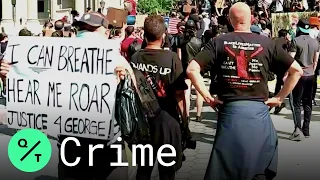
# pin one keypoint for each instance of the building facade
(33, 13)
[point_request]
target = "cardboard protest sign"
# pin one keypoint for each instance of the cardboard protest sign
(288, 20)
(187, 8)
(117, 17)
(62, 86)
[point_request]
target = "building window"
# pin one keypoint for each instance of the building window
(41, 6)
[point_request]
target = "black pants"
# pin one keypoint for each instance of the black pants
(279, 84)
(164, 129)
(144, 172)
(303, 92)
(315, 85)
(102, 158)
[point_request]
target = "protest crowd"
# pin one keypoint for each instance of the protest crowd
(236, 46)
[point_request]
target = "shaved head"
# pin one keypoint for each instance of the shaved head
(240, 16)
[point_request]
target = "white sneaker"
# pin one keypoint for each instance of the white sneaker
(297, 135)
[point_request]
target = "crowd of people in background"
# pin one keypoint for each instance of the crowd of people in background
(189, 32)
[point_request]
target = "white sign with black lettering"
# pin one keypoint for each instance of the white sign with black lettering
(62, 86)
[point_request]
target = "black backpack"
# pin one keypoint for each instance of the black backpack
(133, 48)
(129, 113)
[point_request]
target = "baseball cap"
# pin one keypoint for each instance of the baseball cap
(255, 29)
(314, 21)
(94, 19)
(304, 26)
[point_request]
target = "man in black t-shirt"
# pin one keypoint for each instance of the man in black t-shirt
(282, 41)
(245, 145)
(189, 49)
(305, 50)
(163, 70)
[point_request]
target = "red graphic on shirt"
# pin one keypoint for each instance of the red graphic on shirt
(161, 92)
(158, 87)
(242, 60)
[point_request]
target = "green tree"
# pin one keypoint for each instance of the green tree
(155, 6)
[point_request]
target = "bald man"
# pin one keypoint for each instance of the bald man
(245, 146)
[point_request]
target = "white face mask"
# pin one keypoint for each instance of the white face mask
(314, 33)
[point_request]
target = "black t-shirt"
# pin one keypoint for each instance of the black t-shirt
(242, 62)
(282, 43)
(165, 69)
(189, 50)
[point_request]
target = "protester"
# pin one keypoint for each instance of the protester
(58, 27)
(194, 17)
(92, 26)
(117, 34)
(314, 33)
(131, 7)
(190, 48)
(265, 30)
(168, 83)
(282, 42)
(206, 22)
(75, 15)
(305, 50)
(25, 32)
(171, 60)
(3, 42)
(245, 146)
(173, 31)
(130, 37)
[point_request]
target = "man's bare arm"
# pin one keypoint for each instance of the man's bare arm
(193, 72)
(179, 53)
(315, 61)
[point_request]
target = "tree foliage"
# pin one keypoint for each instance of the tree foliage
(155, 6)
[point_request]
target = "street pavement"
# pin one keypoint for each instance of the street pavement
(297, 160)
